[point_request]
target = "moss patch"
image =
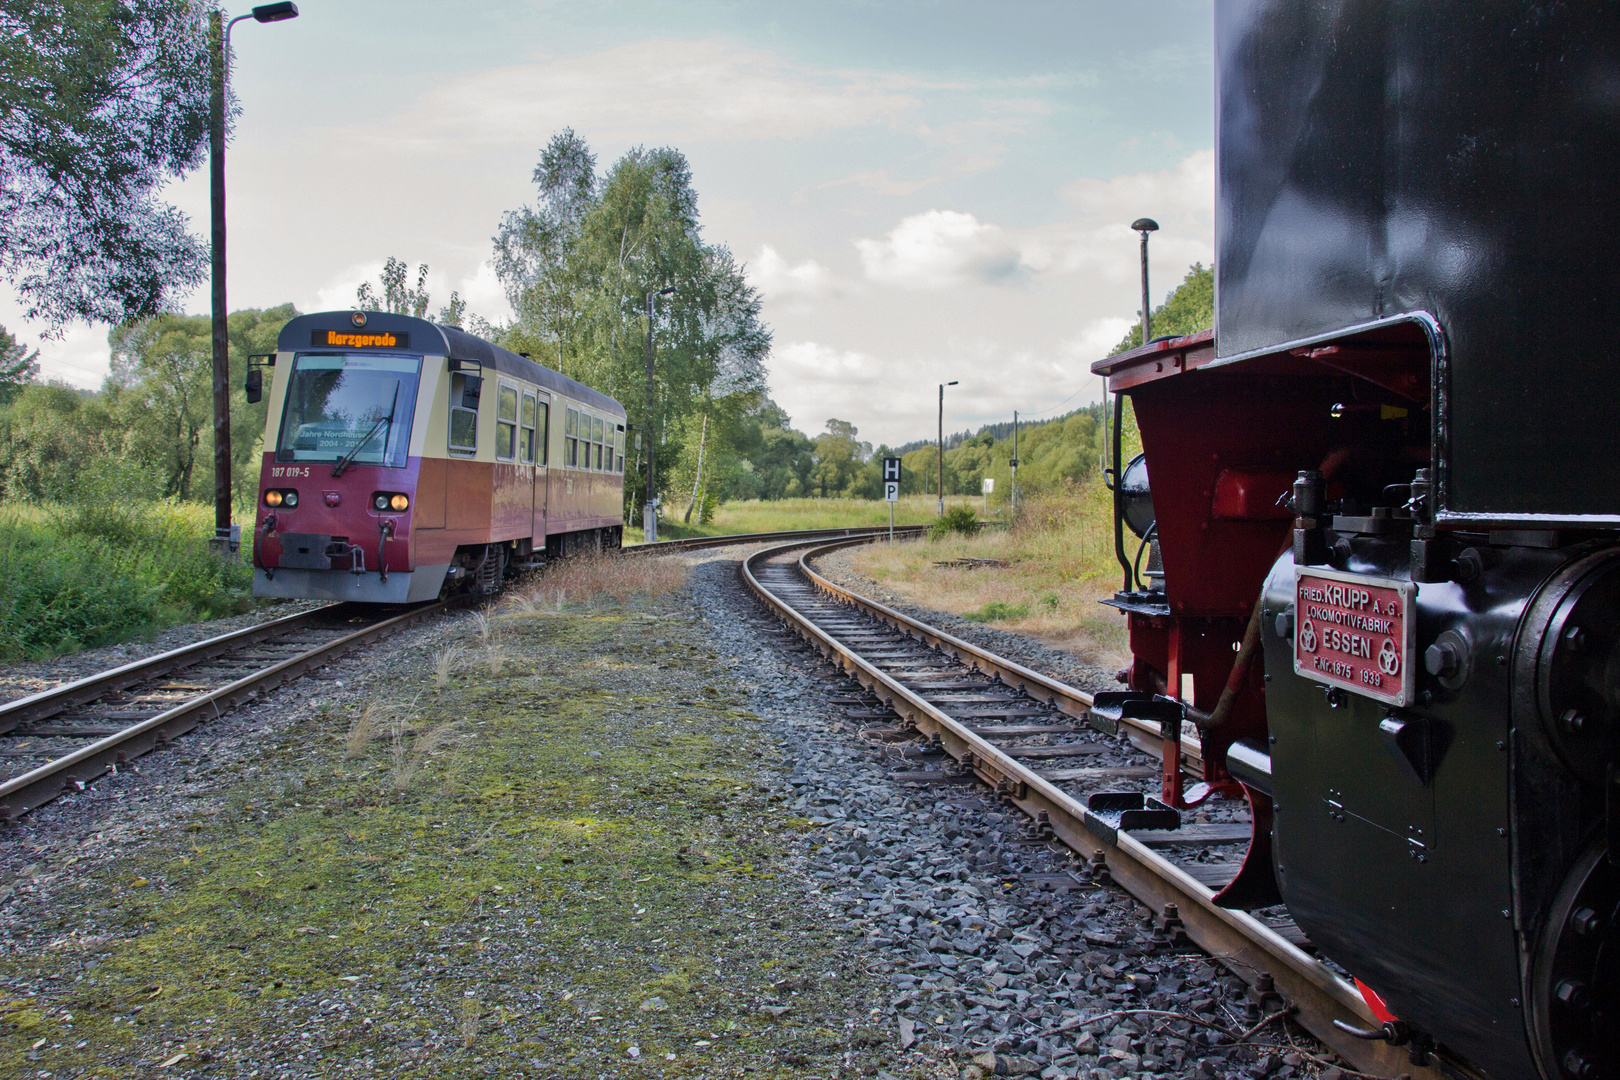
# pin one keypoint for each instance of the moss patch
(552, 856)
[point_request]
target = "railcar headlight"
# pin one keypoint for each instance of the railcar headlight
(399, 502)
(380, 501)
(272, 498)
(289, 499)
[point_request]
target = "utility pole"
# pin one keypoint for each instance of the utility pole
(649, 509)
(1014, 495)
(226, 537)
(941, 445)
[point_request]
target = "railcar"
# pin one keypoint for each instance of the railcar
(403, 457)
(1376, 559)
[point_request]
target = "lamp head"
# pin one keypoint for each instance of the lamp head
(667, 292)
(1145, 225)
(951, 383)
(276, 12)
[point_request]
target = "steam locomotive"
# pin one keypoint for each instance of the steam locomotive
(403, 457)
(1377, 569)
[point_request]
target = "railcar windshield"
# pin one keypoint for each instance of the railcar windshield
(349, 407)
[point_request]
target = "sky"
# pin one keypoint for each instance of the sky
(922, 192)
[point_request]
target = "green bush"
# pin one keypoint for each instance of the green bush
(996, 611)
(94, 572)
(958, 519)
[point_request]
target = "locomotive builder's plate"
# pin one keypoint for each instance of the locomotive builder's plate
(1355, 632)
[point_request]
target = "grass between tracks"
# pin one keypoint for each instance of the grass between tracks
(755, 515)
(1060, 553)
(544, 847)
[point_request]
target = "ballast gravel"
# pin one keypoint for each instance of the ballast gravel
(996, 945)
(961, 945)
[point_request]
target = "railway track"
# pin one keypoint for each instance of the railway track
(1029, 737)
(59, 740)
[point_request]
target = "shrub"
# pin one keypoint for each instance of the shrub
(997, 611)
(958, 519)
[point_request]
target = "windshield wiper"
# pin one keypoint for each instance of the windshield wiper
(337, 470)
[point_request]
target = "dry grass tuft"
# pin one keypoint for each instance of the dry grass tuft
(366, 727)
(444, 665)
(592, 579)
(471, 1013)
(411, 753)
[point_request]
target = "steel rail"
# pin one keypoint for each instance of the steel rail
(58, 699)
(665, 547)
(73, 771)
(1254, 951)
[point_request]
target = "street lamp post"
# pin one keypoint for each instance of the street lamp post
(942, 387)
(649, 509)
(226, 538)
(1145, 226)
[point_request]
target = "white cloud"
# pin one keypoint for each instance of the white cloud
(938, 249)
(709, 88)
(779, 280)
(942, 249)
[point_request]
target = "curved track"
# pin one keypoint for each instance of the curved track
(1026, 735)
(59, 740)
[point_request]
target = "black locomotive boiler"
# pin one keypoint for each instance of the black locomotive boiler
(1384, 570)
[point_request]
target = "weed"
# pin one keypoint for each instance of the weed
(410, 754)
(444, 665)
(365, 728)
(997, 611)
(593, 579)
(1048, 601)
(958, 519)
(471, 1013)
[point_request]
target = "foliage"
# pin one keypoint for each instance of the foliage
(1188, 310)
(397, 297)
(584, 268)
(104, 101)
(957, 519)
(997, 611)
(107, 567)
(154, 413)
(18, 367)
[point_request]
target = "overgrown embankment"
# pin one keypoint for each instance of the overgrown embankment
(104, 570)
(1042, 577)
(537, 842)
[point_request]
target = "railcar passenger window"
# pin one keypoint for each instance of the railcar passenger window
(571, 440)
(544, 433)
(463, 421)
(506, 424)
(597, 437)
(618, 450)
(526, 431)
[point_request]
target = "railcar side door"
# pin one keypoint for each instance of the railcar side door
(536, 432)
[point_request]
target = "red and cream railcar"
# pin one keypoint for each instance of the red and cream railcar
(401, 455)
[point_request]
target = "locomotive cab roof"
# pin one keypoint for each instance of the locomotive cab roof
(384, 331)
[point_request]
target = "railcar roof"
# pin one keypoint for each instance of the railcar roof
(431, 339)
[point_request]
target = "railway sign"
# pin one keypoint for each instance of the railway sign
(891, 470)
(1354, 632)
(891, 491)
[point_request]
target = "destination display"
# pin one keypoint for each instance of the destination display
(345, 339)
(1354, 632)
